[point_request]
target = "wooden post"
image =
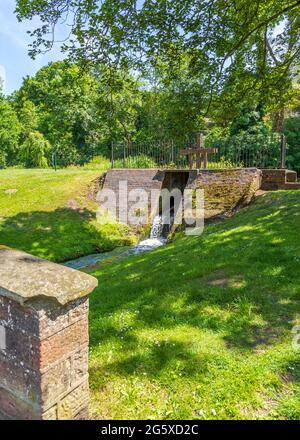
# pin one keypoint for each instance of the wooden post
(200, 145)
(124, 156)
(200, 153)
(112, 154)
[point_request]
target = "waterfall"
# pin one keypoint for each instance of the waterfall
(157, 227)
(158, 235)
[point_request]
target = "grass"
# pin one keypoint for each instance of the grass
(53, 214)
(201, 328)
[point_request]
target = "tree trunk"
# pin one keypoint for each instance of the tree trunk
(278, 121)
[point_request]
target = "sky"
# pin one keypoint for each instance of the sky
(15, 62)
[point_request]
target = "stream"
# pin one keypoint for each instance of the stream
(156, 239)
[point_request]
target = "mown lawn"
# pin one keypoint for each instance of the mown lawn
(53, 214)
(202, 328)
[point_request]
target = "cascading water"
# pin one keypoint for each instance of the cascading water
(157, 227)
(156, 237)
(160, 229)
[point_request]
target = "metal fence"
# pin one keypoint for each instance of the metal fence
(167, 154)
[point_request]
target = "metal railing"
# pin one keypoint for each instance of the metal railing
(167, 154)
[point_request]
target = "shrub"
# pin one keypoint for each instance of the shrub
(98, 162)
(255, 145)
(141, 161)
(292, 131)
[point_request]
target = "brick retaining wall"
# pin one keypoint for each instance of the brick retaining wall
(224, 189)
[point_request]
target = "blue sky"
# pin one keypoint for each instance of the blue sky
(14, 60)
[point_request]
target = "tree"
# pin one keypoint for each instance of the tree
(79, 111)
(34, 152)
(248, 141)
(63, 100)
(292, 131)
(9, 133)
(238, 48)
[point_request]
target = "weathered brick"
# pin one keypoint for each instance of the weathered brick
(44, 358)
(56, 318)
(63, 343)
(79, 365)
(18, 318)
(55, 382)
(83, 414)
(146, 179)
(15, 408)
(50, 414)
(74, 402)
(21, 380)
(224, 190)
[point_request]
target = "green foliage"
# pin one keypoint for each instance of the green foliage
(248, 137)
(98, 163)
(258, 139)
(246, 120)
(9, 134)
(79, 113)
(292, 131)
(140, 161)
(28, 117)
(63, 99)
(35, 150)
(171, 107)
(237, 50)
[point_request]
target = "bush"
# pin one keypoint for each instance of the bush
(98, 162)
(292, 131)
(252, 145)
(141, 161)
(2, 160)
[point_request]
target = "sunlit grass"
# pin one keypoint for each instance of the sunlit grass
(202, 327)
(52, 214)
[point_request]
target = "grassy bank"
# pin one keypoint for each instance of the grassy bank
(202, 327)
(53, 214)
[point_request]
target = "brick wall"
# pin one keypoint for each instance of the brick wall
(225, 189)
(278, 179)
(147, 179)
(44, 339)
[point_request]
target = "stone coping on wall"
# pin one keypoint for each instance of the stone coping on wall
(176, 170)
(24, 278)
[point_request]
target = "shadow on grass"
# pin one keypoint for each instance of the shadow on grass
(253, 259)
(57, 235)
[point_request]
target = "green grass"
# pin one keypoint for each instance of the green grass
(202, 327)
(53, 214)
